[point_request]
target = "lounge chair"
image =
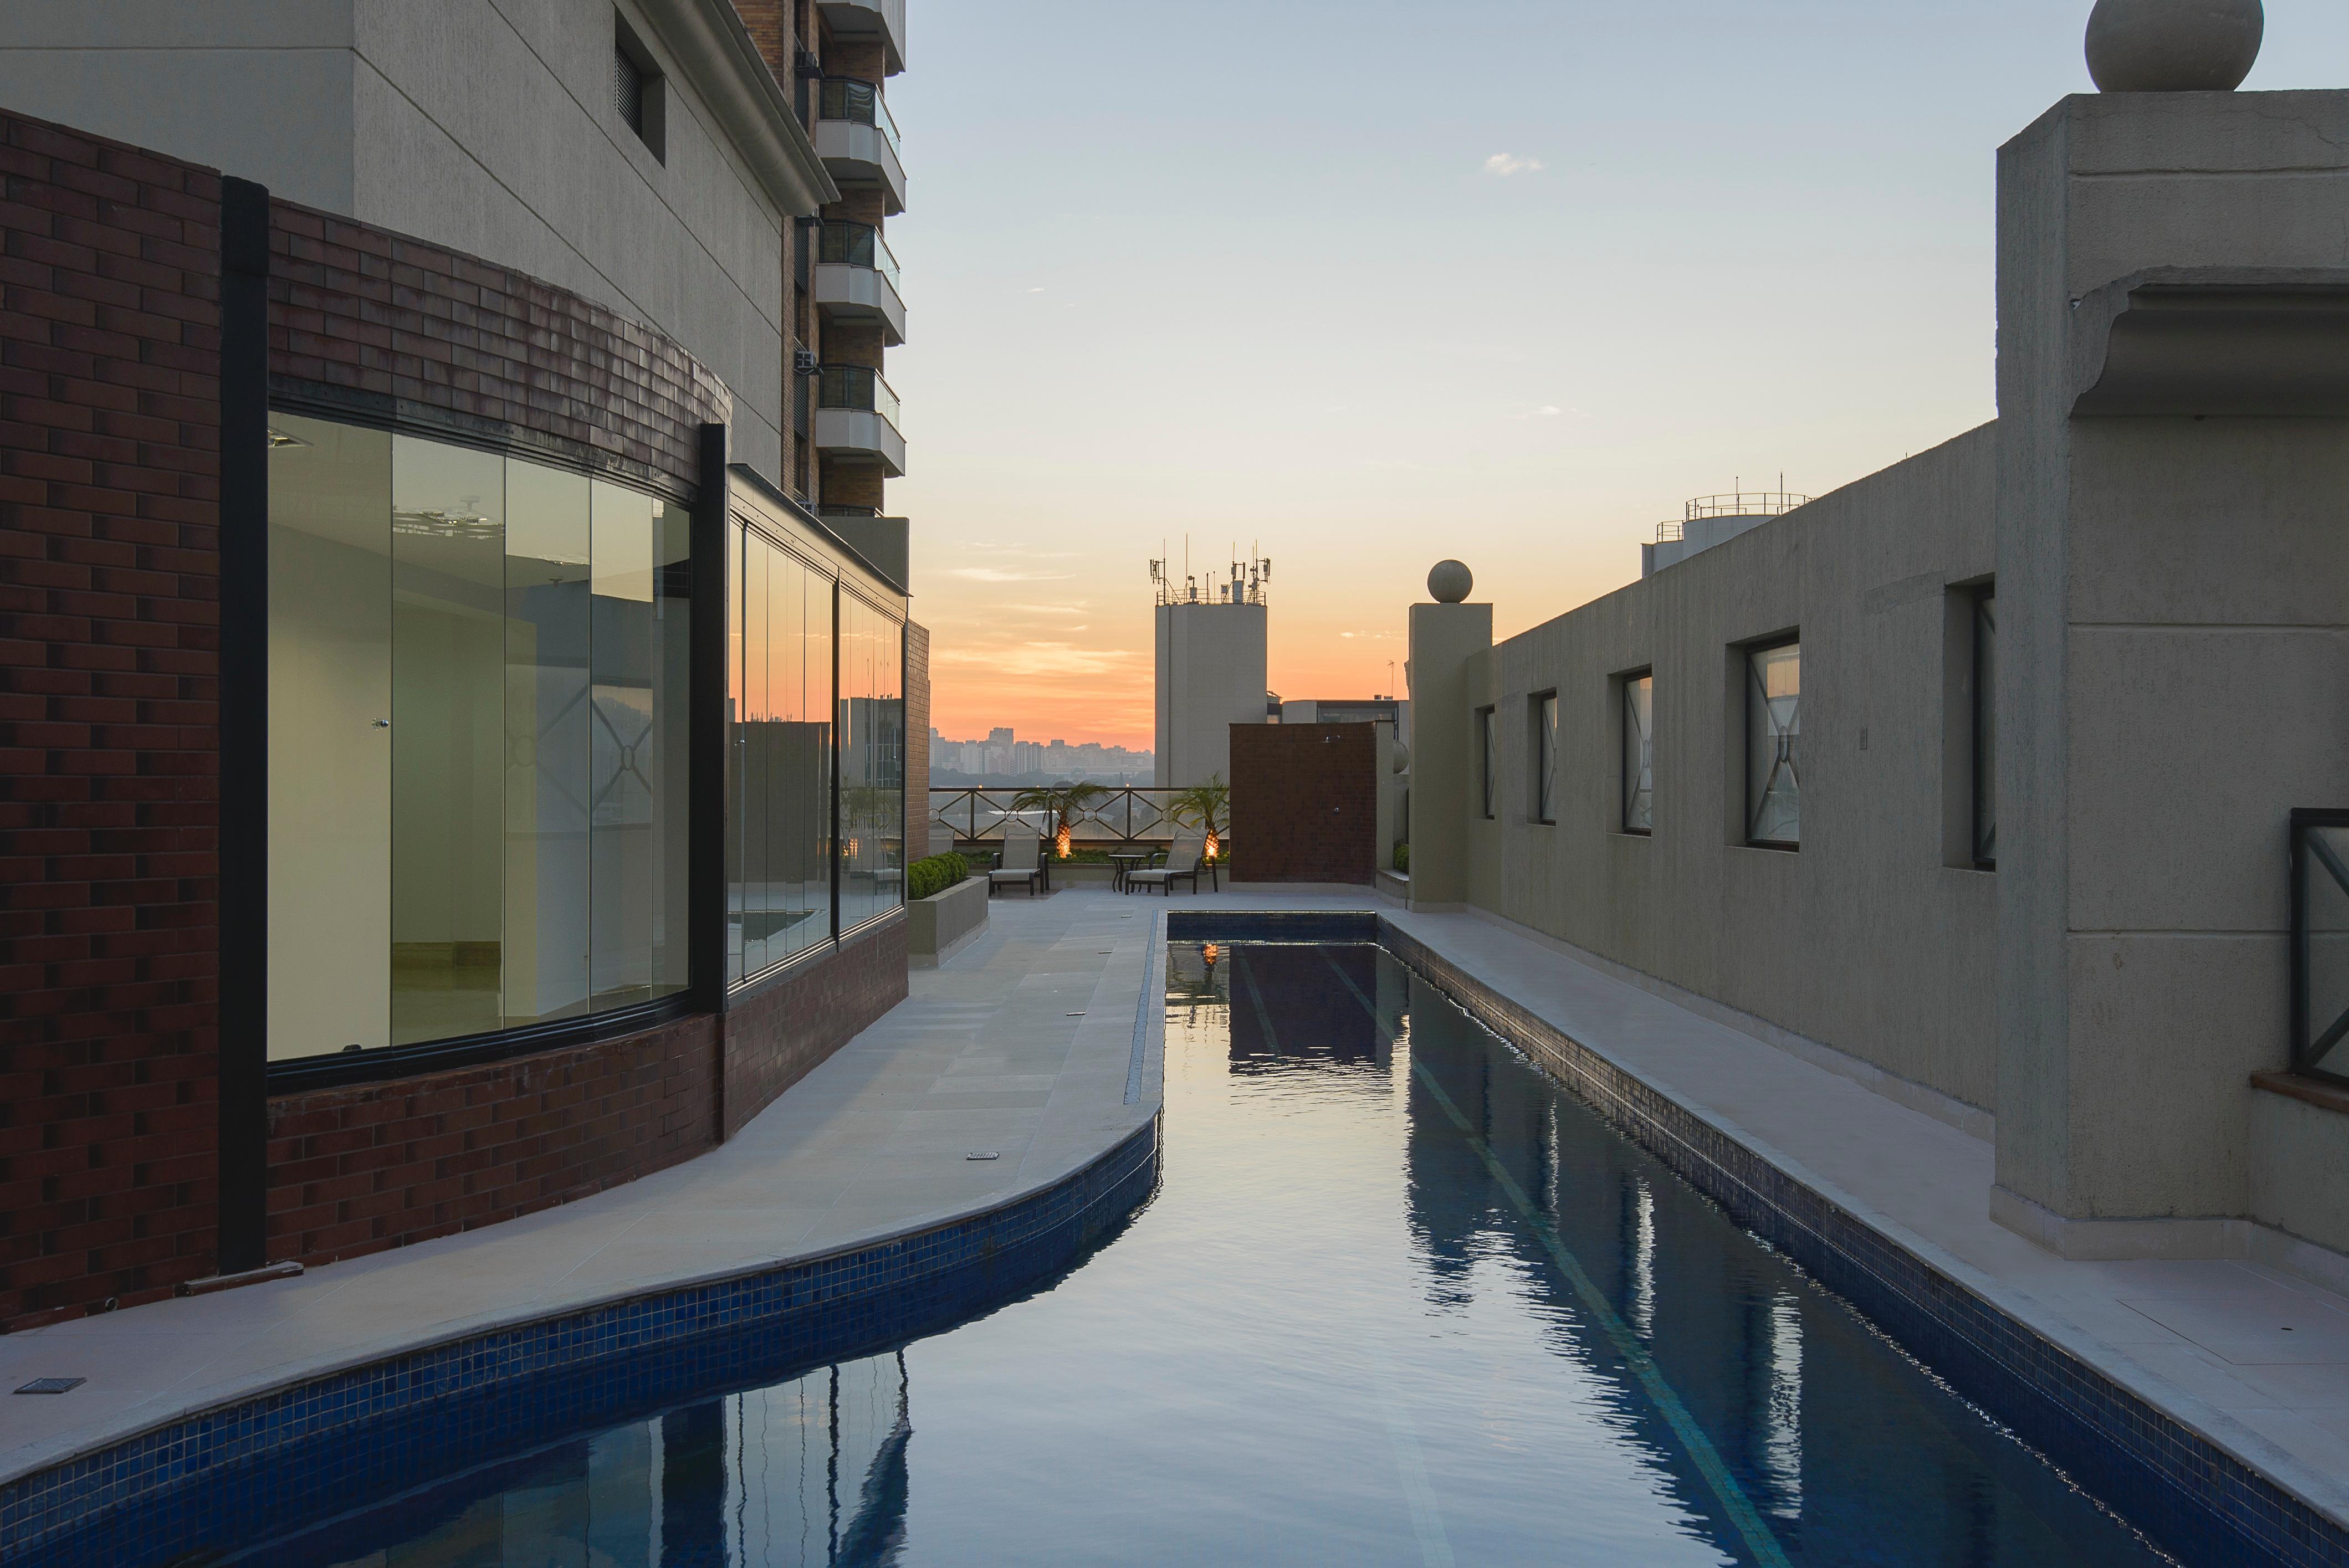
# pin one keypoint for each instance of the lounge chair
(1182, 865)
(1022, 862)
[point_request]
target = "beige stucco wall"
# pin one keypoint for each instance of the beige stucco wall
(487, 126)
(1865, 940)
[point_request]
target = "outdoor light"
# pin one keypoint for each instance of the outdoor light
(1061, 839)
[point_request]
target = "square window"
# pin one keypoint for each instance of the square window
(1774, 779)
(639, 94)
(1639, 754)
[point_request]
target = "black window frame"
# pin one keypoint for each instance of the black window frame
(1488, 759)
(1624, 793)
(1542, 713)
(1983, 759)
(1747, 680)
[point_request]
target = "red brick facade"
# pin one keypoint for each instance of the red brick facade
(371, 1166)
(111, 285)
(1305, 801)
(109, 576)
(776, 1037)
(367, 319)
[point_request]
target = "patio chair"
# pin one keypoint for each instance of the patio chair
(1182, 865)
(1022, 860)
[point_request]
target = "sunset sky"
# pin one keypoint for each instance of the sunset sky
(1368, 283)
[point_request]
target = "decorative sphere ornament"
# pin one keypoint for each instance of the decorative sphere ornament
(1450, 582)
(2174, 45)
(1402, 757)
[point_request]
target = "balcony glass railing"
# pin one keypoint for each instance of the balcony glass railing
(857, 245)
(856, 387)
(845, 97)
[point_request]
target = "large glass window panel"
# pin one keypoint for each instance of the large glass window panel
(549, 724)
(1774, 780)
(1985, 730)
(782, 808)
(329, 736)
(872, 765)
(1640, 755)
(2322, 936)
(735, 692)
(448, 735)
(756, 876)
(639, 626)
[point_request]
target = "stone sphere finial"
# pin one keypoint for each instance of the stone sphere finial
(1450, 582)
(1402, 757)
(2174, 45)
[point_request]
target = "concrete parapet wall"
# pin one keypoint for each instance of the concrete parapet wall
(941, 925)
(1866, 940)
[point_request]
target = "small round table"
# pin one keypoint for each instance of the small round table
(1122, 861)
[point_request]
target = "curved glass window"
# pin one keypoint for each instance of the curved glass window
(779, 789)
(477, 741)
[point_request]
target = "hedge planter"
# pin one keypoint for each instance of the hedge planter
(943, 924)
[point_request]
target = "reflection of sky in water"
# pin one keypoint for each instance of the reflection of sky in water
(1399, 1301)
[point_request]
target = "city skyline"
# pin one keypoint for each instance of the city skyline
(1144, 293)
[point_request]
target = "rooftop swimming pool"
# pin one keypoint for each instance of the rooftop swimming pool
(1399, 1299)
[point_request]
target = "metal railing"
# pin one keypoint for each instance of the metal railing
(857, 245)
(1132, 815)
(860, 387)
(861, 103)
(2320, 944)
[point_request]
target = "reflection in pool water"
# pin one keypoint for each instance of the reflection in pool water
(1401, 1300)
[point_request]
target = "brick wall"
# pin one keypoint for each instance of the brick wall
(361, 1168)
(109, 425)
(777, 1036)
(362, 319)
(1305, 801)
(918, 741)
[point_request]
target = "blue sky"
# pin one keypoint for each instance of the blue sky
(1251, 271)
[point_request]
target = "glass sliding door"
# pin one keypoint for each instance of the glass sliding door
(478, 759)
(547, 745)
(637, 752)
(329, 736)
(780, 810)
(448, 732)
(871, 762)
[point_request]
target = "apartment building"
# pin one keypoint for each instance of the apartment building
(453, 748)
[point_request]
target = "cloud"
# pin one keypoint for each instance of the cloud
(1368, 636)
(989, 574)
(1039, 289)
(1549, 410)
(1501, 165)
(1040, 658)
(1077, 607)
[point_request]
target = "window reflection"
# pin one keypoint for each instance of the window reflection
(477, 762)
(778, 895)
(871, 762)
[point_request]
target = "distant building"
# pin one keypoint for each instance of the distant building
(1212, 657)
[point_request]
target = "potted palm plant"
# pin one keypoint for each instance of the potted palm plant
(1207, 808)
(1064, 801)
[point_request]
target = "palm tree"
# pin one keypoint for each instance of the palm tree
(1203, 805)
(1064, 801)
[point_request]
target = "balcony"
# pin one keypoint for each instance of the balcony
(856, 413)
(857, 139)
(856, 278)
(863, 19)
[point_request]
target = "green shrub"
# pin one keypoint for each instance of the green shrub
(1402, 858)
(928, 878)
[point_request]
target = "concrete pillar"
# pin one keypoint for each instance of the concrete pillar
(1448, 642)
(2173, 557)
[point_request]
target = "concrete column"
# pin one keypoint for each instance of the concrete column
(2173, 561)
(1447, 643)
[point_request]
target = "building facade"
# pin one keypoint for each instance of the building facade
(1977, 778)
(450, 768)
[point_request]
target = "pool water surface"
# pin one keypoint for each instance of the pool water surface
(1400, 1300)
